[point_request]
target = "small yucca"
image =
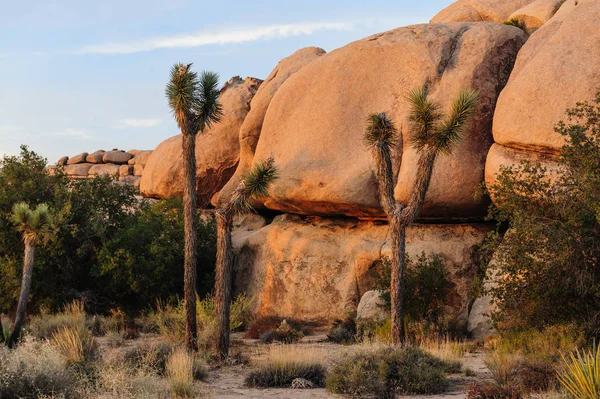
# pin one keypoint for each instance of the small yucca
(580, 374)
(180, 373)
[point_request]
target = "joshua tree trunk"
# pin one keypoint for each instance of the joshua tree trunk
(1, 331)
(397, 285)
(223, 281)
(189, 219)
(24, 296)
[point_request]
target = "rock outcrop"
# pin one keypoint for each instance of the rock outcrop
(371, 309)
(536, 14)
(77, 159)
(317, 137)
(217, 150)
(96, 157)
(253, 123)
(479, 11)
(127, 166)
(317, 268)
(555, 69)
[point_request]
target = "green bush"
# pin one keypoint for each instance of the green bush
(427, 287)
(108, 248)
(548, 258)
(148, 356)
(387, 372)
(343, 331)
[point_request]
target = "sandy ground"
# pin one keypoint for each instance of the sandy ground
(228, 382)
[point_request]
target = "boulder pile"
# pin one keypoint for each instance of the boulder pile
(322, 231)
(128, 166)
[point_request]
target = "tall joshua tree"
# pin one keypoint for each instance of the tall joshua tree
(195, 104)
(255, 184)
(34, 225)
(431, 137)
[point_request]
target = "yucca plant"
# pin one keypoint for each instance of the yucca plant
(35, 226)
(255, 184)
(194, 102)
(580, 373)
(431, 136)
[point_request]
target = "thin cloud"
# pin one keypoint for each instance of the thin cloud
(229, 36)
(79, 134)
(134, 122)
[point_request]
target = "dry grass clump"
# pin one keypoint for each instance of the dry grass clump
(34, 369)
(385, 372)
(76, 344)
(450, 351)
(284, 364)
(44, 325)
(180, 373)
(116, 381)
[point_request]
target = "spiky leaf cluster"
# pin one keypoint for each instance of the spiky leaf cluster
(254, 184)
(33, 224)
(380, 130)
(428, 128)
(194, 100)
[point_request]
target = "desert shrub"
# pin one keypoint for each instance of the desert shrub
(33, 369)
(427, 285)
(117, 381)
(284, 364)
(149, 356)
(285, 333)
(548, 258)
(343, 331)
(542, 346)
(580, 373)
(385, 372)
(536, 377)
(180, 373)
(504, 368)
(76, 344)
(493, 391)
(45, 324)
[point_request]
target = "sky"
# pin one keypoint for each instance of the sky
(82, 75)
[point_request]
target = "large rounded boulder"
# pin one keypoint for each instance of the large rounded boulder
(555, 69)
(315, 123)
(479, 11)
(252, 126)
(217, 150)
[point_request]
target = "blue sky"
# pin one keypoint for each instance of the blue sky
(83, 75)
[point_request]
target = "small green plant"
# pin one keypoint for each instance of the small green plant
(385, 372)
(148, 356)
(284, 364)
(580, 373)
(180, 373)
(469, 372)
(515, 22)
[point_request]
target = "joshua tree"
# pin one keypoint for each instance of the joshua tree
(254, 184)
(35, 226)
(195, 105)
(430, 137)
(1, 330)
